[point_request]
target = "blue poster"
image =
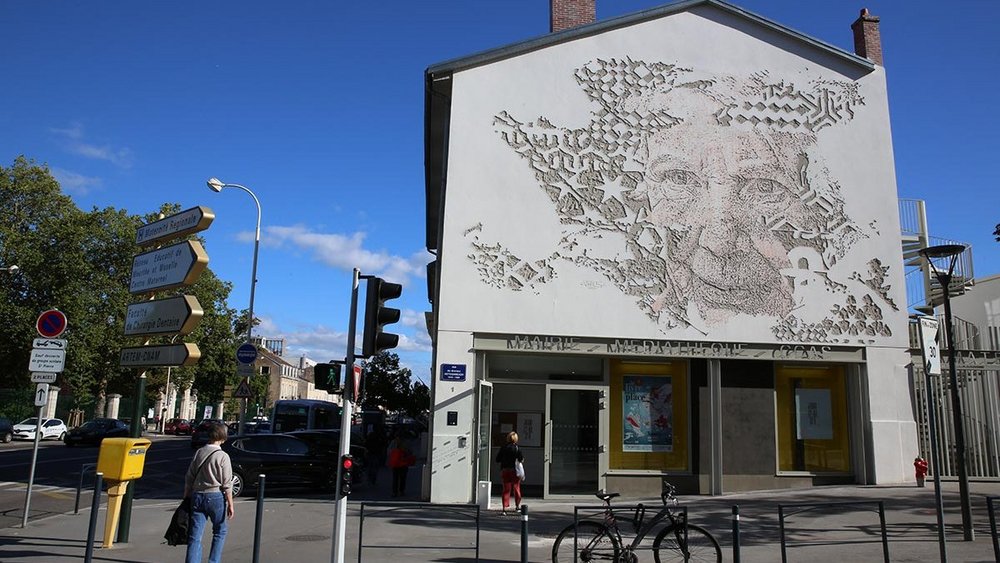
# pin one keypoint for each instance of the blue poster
(647, 413)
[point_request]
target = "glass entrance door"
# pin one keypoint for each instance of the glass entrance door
(483, 439)
(572, 440)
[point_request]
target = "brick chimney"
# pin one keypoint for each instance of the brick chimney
(867, 41)
(573, 13)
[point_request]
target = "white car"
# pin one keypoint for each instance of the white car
(51, 428)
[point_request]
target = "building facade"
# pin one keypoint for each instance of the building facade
(667, 244)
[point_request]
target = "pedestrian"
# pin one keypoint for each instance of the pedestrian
(375, 444)
(920, 470)
(400, 460)
(208, 482)
(508, 457)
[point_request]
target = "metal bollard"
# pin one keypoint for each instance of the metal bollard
(736, 533)
(260, 518)
(94, 508)
(524, 533)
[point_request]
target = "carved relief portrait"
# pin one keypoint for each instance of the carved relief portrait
(699, 196)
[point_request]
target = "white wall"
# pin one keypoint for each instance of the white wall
(450, 461)
(693, 248)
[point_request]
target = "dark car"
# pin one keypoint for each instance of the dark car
(93, 432)
(177, 426)
(287, 461)
(6, 430)
(199, 436)
(327, 443)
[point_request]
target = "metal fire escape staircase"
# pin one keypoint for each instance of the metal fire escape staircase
(923, 291)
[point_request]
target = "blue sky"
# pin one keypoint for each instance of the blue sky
(317, 106)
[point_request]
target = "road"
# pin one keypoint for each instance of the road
(58, 472)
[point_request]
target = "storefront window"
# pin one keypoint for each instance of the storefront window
(649, 418)
(812, 419)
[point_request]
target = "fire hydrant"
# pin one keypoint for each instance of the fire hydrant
(920, 470)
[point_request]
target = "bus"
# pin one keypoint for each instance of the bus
(304, 414)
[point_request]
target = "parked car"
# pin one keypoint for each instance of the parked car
(287, 461)
(199, 436)
(51, 428)
(6, 430)
(177, 426)
(94, 432)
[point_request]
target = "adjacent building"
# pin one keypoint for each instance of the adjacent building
(667, 244)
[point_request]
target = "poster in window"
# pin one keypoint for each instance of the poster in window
(529, 429)
(814, 413)
(647, 413)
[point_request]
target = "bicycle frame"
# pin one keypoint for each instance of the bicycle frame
(664, 514)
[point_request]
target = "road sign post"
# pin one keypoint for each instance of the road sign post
(41, 397)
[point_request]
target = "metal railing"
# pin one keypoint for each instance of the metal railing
(912, 217)
(79, 486)
(800, 508)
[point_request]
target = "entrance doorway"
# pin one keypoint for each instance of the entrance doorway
(573, 449)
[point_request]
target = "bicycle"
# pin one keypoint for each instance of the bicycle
(592, 540)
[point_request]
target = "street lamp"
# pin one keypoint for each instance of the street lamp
(13, 268)
(217, 185)
(950, 253)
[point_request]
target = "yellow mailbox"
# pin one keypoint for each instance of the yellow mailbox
(122, 459)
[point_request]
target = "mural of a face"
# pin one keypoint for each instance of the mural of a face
(706, 182)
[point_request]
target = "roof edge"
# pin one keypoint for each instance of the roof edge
(523, 47)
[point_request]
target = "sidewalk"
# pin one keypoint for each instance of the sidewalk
(300, 529)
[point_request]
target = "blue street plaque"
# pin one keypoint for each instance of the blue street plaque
(452, 372)
(246, 353)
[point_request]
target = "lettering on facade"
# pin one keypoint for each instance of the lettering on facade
(680, 348)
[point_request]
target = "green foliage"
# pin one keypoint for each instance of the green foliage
(996, 232)
(80, 262)
(388, 387)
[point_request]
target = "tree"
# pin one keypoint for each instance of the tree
(388, 387)
(996, 232)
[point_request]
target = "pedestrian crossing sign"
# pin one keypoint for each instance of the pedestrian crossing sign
(243, 391)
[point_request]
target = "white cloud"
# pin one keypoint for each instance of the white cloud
(414, 319)
(347, 252)
(75, 143)
(75, 182)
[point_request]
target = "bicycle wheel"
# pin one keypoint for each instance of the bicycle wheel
(700, 547)
(594, 542)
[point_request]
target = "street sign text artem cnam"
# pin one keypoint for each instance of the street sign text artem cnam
(184, 354)
(176, 226)
(175, 315)
(169, 267)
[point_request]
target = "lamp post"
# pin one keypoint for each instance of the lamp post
(217, 185)
(12, 268)
(951, 252)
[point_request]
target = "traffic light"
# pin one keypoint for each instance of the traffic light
(377, 315)
(346, 464)
(327, 377)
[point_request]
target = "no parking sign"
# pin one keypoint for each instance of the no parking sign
(51, 323)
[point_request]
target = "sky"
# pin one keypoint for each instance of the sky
(317, 107)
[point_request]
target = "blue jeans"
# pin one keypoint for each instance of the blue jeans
(207, 506)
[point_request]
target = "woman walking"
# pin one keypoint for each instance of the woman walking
(508, 457)
(208, 482)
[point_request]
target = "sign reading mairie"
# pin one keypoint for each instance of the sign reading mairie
(181, 224)
(175, 315)
(165, 268)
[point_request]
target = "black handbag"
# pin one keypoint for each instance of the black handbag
(180, 523)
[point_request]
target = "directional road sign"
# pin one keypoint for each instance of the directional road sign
(176, 226)
(165, 268)
(52, 361)
(42, 377)
(41, 394)
(246, 353)
(176, 315)
(243, 391)
(183, 354)
(49, 343)
(51, 323)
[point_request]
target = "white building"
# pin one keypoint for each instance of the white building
(667, 244)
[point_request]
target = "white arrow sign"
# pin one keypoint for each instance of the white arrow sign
(51, 361)
(173, 266)
(49, 343)
(176, 315)
(41, 394)
(184, 354)
(176, 226)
